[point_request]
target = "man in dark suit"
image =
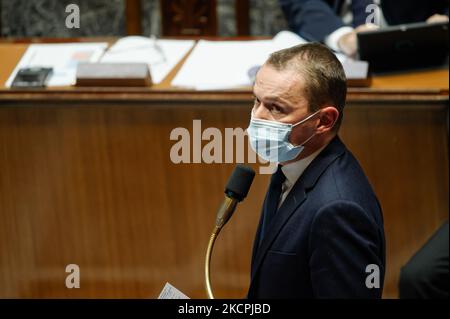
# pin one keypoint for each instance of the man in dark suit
(321, 231)
(321, 20)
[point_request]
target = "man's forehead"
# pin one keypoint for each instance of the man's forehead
(274, 83)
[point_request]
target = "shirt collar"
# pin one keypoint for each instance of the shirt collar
(294, 170)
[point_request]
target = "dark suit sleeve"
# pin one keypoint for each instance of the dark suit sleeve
(311, 19)
(343, 242)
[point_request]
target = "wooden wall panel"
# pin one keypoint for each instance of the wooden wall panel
(404, 151)
(188, 17)
(133, 14)
(93, 184)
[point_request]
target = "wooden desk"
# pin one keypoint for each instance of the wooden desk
(86, 178)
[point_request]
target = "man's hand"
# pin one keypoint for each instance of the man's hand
(348, 43)
(435, 18)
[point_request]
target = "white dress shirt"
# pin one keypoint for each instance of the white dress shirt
(293, 171)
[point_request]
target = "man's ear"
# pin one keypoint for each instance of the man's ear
(327, 119)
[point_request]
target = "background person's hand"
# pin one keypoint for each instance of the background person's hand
(435, 18)
(348, 43)
(366, 27)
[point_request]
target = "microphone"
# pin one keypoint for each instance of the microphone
(236, 190)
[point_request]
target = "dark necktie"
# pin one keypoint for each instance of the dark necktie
(272, 200)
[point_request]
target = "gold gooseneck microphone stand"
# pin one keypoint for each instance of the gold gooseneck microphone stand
(223, 215)
(235, 191)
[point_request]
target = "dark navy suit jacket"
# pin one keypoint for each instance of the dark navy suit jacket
(324, 235)
(315, 19)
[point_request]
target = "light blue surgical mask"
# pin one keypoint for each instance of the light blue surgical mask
(270, 139)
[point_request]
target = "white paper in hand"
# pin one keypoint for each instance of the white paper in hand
(170, 292)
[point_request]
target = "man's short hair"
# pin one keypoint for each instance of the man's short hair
(325, 81)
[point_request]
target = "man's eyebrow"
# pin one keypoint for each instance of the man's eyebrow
(278, 100)
(269, 98)
(273, 98)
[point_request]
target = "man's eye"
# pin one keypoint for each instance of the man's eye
(277, 109)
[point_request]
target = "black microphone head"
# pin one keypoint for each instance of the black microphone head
(239, 182)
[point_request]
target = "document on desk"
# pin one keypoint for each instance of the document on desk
(170, 292)
(62, 57)
(219, 65)
(226, 64)
(160, 55)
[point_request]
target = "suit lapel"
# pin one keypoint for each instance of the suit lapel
(292, 201)
(295, 198)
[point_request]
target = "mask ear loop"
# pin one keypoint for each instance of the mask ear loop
(292, 125)
(305, 119)
(302, 121)
(307, 140)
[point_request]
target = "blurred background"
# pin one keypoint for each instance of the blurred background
(34, 18)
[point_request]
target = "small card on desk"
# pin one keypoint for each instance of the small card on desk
(113, 74)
